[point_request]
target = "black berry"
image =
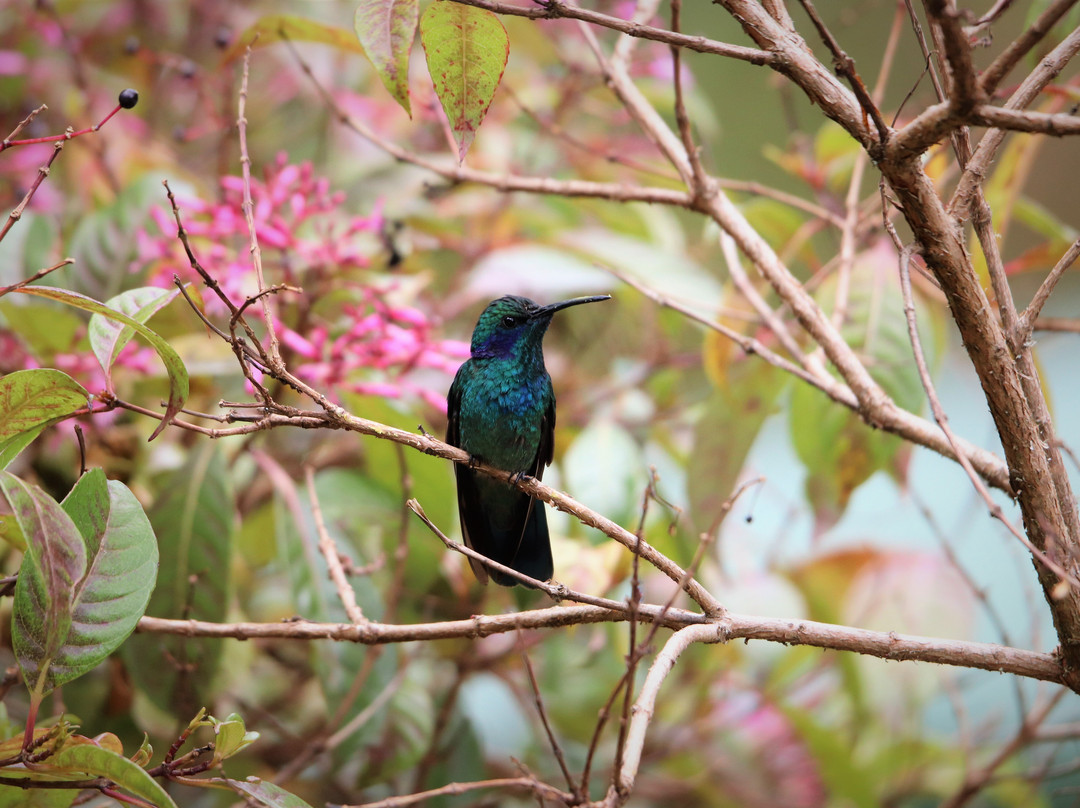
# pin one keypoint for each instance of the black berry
(129, 98)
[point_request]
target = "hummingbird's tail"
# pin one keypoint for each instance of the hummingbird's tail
(533, 557)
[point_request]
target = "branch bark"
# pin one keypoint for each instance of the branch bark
(885, 645)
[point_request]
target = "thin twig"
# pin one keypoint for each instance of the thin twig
(42, 173)
(249, 214)
(893, 419)
(845, 66)
(330, 552)
(769, 317)
(634, 651)
(552, 9)
(974, 782)
(22, 125)
(453, 789)
(1030, 315)
(701, 184)
(370, 711)
(538, 702)
(41, 273)
(883, 644)
(70, 134)
(1032, 35)
(1045, 71)
(556, 591)
(1068, 325)
(943, 421)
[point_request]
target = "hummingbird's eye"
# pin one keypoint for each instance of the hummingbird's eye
(509, 321)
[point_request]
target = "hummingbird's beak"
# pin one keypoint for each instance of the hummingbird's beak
(547, 311)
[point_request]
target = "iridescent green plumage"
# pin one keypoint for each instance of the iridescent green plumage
(501, 411)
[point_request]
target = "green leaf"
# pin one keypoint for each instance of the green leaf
(94, 761)
(274, 28)
(36, 797)
(386, 29)
(724, 434)
(193, 520)
(467, 49)
(44, 329)
(28, 247)
(145, 753)
(30, 400)
(178, 377)
(839, 451)
(85, 579)
(835, 152)
(605, 469)
(232, 736)
(122, 564)
(54, 564)
(103, 243)
(263, 793)
(10, 531)
(382, 471)
(1045, 222)
(108, 336)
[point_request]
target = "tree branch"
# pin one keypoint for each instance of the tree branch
(885, 645)
(554, 9)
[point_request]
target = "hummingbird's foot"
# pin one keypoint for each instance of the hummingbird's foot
(520, 476)
(474, 461)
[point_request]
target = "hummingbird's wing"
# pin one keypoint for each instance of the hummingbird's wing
(533, 554)
(467, 495)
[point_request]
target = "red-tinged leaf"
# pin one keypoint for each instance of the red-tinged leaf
(386, 29)
(89, 567)
(30, 400)
(466, 49)
(259, 792)
(278, 27)
(54, 563)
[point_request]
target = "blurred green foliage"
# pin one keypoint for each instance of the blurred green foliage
(642, 390)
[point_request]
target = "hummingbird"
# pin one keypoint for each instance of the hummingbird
(501, 411)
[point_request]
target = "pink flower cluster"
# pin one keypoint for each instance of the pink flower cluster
(394, 339)
(367, 340)
(298, 234)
